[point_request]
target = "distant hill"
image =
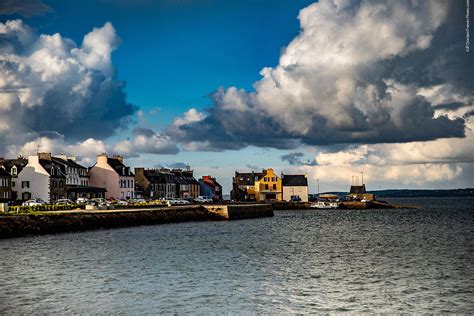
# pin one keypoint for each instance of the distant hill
(468, 192)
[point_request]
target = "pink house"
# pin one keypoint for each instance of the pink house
(114, 176)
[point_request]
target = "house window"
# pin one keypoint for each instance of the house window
(14, 171)
(25, 184)
(274, 186)
(274, 178)
(13, 184)
(60, 184)
(266, 186)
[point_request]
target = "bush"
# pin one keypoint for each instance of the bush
(43, 208)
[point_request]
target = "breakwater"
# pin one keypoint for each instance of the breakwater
(79, 220)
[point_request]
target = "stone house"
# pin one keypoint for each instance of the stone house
(155, 183)
(13, 167)
(5, 185)
(243, 185)
(295, 185)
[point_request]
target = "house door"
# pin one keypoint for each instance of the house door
(270, 196)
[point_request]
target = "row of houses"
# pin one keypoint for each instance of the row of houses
(59, 177)
(175, 183)
(267, 185)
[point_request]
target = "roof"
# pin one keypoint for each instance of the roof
(20, 163)
(357, 189)
(119, 167)
(4, 173)
(68, 162)
(159, 176)
(49, 164)
(210, 181)
(294, 180)
(248, 178)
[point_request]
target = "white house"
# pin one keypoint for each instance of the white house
(295, 185)
(33, 181)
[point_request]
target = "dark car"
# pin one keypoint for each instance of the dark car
(295, 198)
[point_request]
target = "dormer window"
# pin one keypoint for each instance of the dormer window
(14, 171)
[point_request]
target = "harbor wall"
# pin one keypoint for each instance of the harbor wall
(71, 221)
(232, 212)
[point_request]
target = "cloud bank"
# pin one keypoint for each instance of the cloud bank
(61, 96)
(358, 72)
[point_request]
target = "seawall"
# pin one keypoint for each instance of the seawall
(231, 212)
(71, 221)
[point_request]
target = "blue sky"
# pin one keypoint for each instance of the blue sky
(340, 97)
(173, 54)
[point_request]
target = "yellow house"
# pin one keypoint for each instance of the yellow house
(268, 187)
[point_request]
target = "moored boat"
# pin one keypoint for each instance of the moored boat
(325, 205)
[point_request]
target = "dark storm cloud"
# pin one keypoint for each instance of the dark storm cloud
(295, 159)
(26, 8)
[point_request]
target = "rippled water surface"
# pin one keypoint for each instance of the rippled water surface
(298, 261)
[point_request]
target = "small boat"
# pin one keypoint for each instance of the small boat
(325, 205)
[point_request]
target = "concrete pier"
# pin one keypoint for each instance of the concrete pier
(232, 212)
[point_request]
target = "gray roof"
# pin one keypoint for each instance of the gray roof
(294, 180)
(119, 167)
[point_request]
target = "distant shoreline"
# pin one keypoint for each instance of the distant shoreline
(407, 193)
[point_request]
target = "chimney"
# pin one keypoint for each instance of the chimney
(45, 156)
(119, 158)
(73, 158)
(33, 159)
(62, 156)
(101, 159)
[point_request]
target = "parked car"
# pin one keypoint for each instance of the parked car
(64, 201)
(84, 201)
(100, 201)
(295, 198)
(33, 202)
(203, 199)
(171, 202)
(120, 202)
(183, 201)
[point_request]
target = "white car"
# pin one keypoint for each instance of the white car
(83, 201)
(33, 202)
(203, 199)
(64, 201)
(121, 202)
(100, 201)
(172, 202)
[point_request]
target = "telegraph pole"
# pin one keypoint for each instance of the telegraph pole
(318, 186)
(362, 173)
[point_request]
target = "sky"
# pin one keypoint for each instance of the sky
(329, 89)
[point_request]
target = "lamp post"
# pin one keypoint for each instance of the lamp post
(318, 186)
